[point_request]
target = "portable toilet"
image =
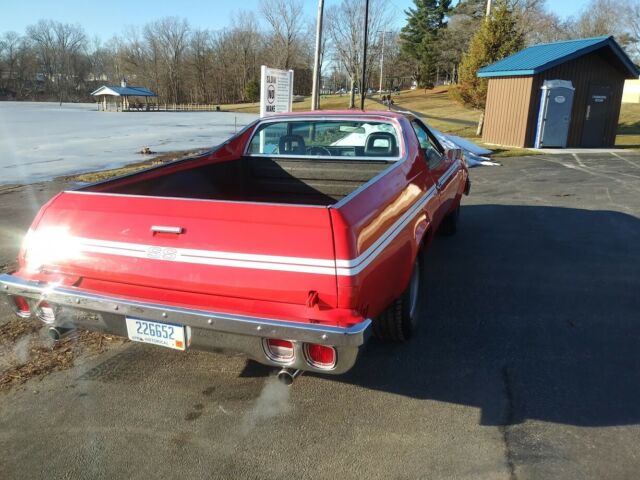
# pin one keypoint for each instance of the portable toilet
(554, 116)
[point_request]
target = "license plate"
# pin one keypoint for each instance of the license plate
(157, 333)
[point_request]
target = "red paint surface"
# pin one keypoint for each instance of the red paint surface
(331, 233)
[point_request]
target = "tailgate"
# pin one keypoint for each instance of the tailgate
(243, 250)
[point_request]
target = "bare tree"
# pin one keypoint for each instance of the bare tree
(59, 47)
(168, 40)
(9, 52)
(56, 60)
(201, 59)
(285, 19)
(345, 28)
(632, 21)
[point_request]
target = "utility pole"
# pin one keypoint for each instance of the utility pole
(364, 55)
(315, 95)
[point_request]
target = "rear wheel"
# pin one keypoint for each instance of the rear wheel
(400, 320)
(449, 224)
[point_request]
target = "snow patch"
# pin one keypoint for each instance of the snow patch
(40, 141)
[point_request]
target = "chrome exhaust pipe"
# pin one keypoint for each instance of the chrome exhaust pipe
(287, 376)
(58, 333)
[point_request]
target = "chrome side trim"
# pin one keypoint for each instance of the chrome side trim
(444, 178)
(206, 320)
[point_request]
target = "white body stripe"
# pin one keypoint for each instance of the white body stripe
(318, 266)
(444, 178)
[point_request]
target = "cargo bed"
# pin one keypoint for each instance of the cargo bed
(257, 179)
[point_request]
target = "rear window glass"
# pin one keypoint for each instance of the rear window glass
(322, 138)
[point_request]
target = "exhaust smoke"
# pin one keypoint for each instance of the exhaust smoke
(272, 402)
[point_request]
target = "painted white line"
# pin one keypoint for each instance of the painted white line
(630, 162)
(575, 155)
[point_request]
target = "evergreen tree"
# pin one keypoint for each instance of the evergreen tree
(497, 38)
(419, 36)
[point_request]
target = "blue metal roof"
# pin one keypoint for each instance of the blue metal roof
(544, 56)
(127, 91)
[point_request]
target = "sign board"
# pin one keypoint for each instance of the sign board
(276, 91)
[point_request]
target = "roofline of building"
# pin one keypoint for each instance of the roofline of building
(606, 42)
(116, 94)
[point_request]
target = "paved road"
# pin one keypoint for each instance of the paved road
(528, 365)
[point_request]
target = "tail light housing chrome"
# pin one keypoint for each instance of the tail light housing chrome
(281, 351)
(320, 356)
(45, 313)
(21, 307)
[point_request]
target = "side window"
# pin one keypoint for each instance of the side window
(432, 150)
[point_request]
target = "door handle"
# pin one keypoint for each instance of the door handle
(588, 112)
(167, 229)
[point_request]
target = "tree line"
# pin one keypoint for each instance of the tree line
(62, 62)
(59, 61)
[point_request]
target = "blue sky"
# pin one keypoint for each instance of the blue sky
(106, 19)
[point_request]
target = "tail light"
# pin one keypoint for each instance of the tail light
(21, 307)
(279, 350)
(320, 356)
(45, 312)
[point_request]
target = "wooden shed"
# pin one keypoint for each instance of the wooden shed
(595, 67)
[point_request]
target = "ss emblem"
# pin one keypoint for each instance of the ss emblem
(161, 253)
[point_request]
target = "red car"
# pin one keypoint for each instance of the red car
(290, 242)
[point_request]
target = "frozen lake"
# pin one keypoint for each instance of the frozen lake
(39, 141)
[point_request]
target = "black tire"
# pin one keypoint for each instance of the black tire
(399, 321)
(449, 225)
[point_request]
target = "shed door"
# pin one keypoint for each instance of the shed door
(593, 133)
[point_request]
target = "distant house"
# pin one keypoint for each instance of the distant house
(123, 98)
(567, 92)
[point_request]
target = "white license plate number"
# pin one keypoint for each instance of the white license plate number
(157, 333)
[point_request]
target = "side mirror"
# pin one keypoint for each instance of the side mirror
(453, 154)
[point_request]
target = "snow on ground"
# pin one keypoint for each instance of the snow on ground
(39, 141)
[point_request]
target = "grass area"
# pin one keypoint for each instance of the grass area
(629, 126)
(441, 111)
(448, 116)
(327, 102)
(98, 176)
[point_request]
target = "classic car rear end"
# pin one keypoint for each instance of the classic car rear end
(282, 244)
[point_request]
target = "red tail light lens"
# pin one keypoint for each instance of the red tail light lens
(45, 312)
(320, 356)
(22, 307)
(279, 350)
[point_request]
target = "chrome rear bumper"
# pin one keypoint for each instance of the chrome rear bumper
(206, 330)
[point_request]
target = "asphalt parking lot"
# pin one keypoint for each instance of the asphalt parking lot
(527, 365)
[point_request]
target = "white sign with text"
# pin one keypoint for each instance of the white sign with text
(276, 91)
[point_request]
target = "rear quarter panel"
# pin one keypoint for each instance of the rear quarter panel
(405, 194)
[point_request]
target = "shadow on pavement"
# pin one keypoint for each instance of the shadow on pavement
(532, 313)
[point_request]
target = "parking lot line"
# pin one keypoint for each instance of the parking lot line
(630, 162)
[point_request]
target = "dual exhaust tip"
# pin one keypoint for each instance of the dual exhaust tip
(286, 376)
(58, 333)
